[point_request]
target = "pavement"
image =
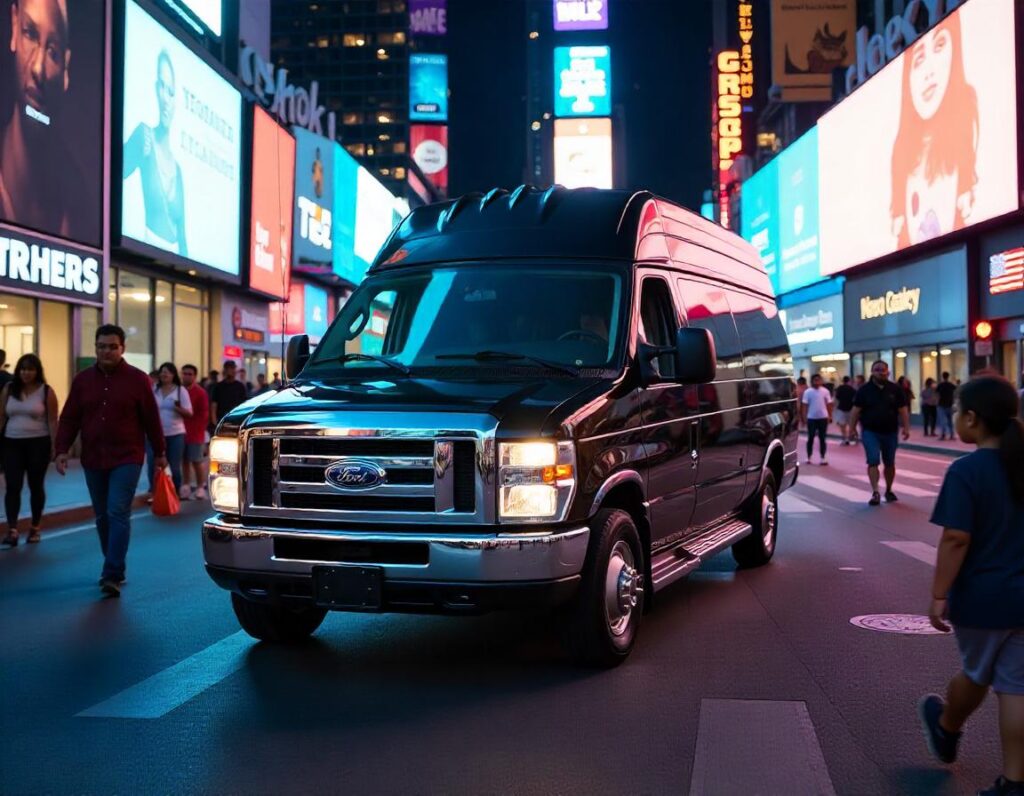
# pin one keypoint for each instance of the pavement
(742, 681)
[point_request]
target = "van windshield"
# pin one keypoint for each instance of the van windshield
(556, 318)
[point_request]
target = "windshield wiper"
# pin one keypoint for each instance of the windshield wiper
(358, 357)
(507, 356)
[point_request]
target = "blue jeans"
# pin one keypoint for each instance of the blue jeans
(880, 447)
(175, 454)
(112, 492)
(946, 421)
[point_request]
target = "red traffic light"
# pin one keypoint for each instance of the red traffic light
(982, 330)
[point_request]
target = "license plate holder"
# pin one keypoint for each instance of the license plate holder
(351, 588)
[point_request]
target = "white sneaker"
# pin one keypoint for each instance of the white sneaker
(200, 493)
(185, 492)
(809, 460)
(823, 462)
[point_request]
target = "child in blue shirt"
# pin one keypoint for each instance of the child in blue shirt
(979, 577)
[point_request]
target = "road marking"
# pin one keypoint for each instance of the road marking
(919, 550)
(914, 476)
(905, 489)
(791, 504)
(834, 488)
(48, 535)
(940, 459)
(757, 746)
(851, 569)
(163, 692)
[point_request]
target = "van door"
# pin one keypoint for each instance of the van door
(669, 431)
(722, 441)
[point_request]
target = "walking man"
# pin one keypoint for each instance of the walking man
(845, 394)
(227, 393)
(816, 407)
(881, 408)
(112, 405)
(195, 435)
(947, 392)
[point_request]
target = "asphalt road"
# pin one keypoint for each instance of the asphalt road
(742, 682)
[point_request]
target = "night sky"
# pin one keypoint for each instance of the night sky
(660, 76)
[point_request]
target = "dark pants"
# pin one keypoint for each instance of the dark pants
(946, 421)
(112, 492)
(23, 457)
(175, 454)
(816, 428)
(931, 415)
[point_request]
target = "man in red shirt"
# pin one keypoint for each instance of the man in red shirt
(113, 407)
(195, 434)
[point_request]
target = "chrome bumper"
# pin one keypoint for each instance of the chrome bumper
(457, 557)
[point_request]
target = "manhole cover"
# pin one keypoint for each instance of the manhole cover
(907, 624)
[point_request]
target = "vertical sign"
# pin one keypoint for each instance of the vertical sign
(428, 17)
(583, 78)
(429, 145)
(581, 14)
(728, 130)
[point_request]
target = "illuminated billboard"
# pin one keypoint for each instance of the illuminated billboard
(809, 40)
(583, 153)
(927, 146)
(583, 81)
(314, 201)
(759, 217)
(429, 145)
(428, 88)
(428, 17)
(799, 261)
(273, 195)
(580, 14)
(181, 155)
(209, 12)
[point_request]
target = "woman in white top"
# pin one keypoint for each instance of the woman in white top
(28, 415)
(174, 404)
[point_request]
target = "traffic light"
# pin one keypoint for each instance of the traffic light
(983, 346)
(982, 330)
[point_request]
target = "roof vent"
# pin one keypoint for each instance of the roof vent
(519, 194)
(491, 195)
(457, 207)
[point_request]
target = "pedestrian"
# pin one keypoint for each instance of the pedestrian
(195, 435)
(241, 376)
(801, 388)
(859, 381)
(228, 393)
(929, 406)
(816, 408)
(175, 406)
(154, 378)
(211, 381)
(908, 390)
(5, 377)
(28, 414)
(978, 586)
(261, 384)
(881, 408)
(843, 406)
(277, 384)
(947, 393)
(113, 406)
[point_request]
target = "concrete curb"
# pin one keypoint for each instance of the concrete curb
(70, 515)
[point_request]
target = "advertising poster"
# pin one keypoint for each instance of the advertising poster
(51, 119)
(244, 323)
(810, 38)
(759, 217)
(314, 201)
(428, 88)
(583, 81)
(583, 153)
(181, 148)
(346, 187)
(273, 197)
(428, 17)
(798, 262)
(315, 306)
(209, 12)
(289, 318)
(580, 14)
(928, 145)
(429, 144)
(375, 216)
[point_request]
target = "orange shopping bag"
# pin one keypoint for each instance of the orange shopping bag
(165, 497)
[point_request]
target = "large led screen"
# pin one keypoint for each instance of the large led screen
(181, 148)
(928, 145)
(583, 153)
(798, 262)
(51, 117)
(273, 195)
(314, 201)
(759, 217)
(429, 145)
(583, 81)
(428, 88)
(580, 14)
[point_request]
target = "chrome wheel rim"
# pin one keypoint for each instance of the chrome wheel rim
(769, 518)
(623, 588)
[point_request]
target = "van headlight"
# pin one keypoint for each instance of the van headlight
(536, 480)
(224, 475)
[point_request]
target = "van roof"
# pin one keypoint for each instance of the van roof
(563, 223)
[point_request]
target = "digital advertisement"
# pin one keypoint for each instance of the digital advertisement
(288, 318)
(315, 305)
(816, 327)
(208, 12)
(428, 17)
(927, 146)
(245, 323)
(583, 81)
(375, 216)
(580, 14)
(798, 263)
(51, 117)
(428, 88)
(583, 153)
(809, 39)
(181, 190)
(35, 265)
(273, 196)
(759, 217)
(429, 145)
(314, 201)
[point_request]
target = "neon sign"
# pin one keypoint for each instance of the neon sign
(728, 125)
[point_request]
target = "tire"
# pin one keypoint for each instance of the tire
(604, 616)
(277, 624)
(763, 514)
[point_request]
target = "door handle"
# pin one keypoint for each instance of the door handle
(694, 453)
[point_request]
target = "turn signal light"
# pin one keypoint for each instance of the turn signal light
(558, 472)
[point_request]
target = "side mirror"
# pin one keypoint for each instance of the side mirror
(695, 356)
(297, 356)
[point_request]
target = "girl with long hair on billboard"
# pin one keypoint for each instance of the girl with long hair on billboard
(934, 155)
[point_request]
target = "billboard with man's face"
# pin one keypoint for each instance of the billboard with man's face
(51, 116)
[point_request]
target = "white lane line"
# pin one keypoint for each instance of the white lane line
(173, 687)
(47, 535)
(914, 476)
(944, 461)
(919, 550)
(833, 488)
(791, 504)
(898, 488)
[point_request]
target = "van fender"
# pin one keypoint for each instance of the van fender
(775, 445)
(612, 481)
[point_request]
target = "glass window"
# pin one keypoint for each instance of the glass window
(356, 149)
(90, 322)
(399, 147)
(135, 316)
(189, 337)
(352, 117)
(17, 327)
(164, 311)
(708, 308)
(54, 347)
(354, 40)
(764, 343)
(658, 321)
(112, 297)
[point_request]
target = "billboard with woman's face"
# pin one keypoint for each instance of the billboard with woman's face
(926, 147)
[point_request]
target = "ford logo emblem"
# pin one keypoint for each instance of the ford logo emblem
(354, 474)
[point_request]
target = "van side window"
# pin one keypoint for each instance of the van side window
(708, 308)
(765, 348)
(658, 321)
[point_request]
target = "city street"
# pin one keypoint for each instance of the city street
(741, 682)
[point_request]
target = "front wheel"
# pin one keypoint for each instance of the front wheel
(763, 514)
(278, 624)
(604, 617)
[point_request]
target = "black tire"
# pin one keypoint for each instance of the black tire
(278, 624)
(594, 636)
(763, 514)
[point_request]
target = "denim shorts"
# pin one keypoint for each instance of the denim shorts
(194, 451)
(880, 446)
(993, 658)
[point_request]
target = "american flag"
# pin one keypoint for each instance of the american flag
(1006, 271)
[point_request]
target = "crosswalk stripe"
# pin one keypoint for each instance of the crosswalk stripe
(920, 550)
(915, 476)
(791, 504)
(905, 489)
(833, 488)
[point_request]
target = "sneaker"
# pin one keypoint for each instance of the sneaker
(120, 582)
(823, 462)
(1004, 787)
(890, 497)
(875, 499)
(941, 744)
(185, 492)
(111, 588)
(200, 493)
(809, 461)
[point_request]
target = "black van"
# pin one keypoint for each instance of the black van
(562, 397)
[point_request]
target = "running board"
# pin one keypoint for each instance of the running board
(680, 560)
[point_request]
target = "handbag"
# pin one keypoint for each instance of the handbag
(165, 496)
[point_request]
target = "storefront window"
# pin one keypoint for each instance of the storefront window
(191, 326)
(17, 327)
(55, 345)
(112, 297)
(135, 316)
(86, 354)
(164, 311)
